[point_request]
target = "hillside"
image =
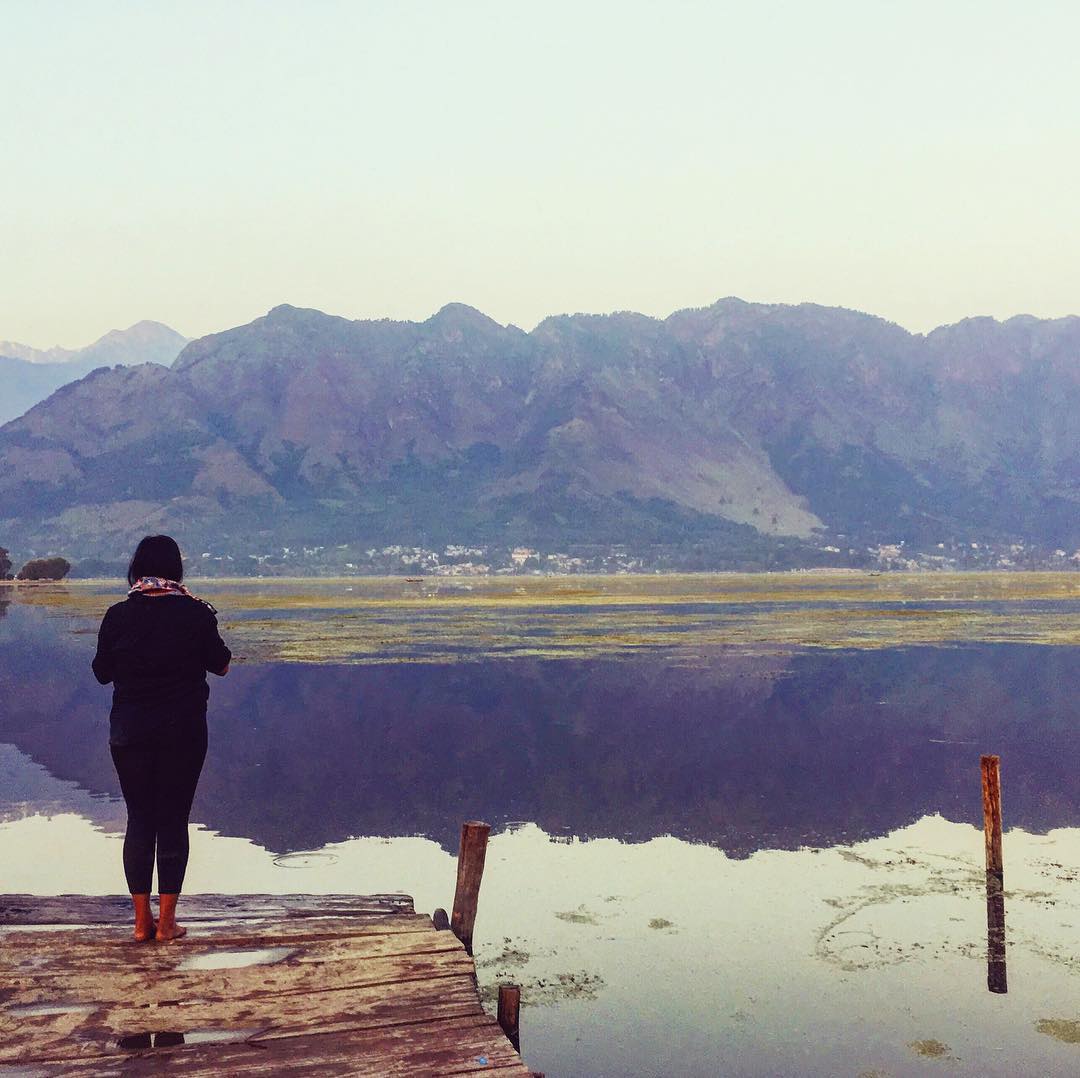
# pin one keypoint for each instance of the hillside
(29, 375)
(744, 427)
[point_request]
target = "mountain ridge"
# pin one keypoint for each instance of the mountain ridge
(797, 424)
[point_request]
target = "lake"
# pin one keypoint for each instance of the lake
(736, 819)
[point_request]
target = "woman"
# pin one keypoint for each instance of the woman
(156, 648)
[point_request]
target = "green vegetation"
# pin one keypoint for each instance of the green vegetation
(44, 569)
(1062, 1029)
(931, 1049)
(383, 619)
(580, 916)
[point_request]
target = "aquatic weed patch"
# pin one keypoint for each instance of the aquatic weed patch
(367, 620)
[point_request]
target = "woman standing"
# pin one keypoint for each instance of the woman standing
(156, 648)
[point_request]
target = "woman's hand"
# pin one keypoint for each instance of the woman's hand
(222, 673)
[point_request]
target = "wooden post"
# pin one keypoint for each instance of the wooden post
(509, 1008)
(991, 798)
(470, 869)
(995, 871)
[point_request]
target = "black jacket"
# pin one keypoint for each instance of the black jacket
(156, 651)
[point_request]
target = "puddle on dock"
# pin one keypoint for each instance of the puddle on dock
(215, 1036)
(263, 956)
(135, 1042)
(27, 1010)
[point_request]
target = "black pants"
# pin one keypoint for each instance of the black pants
(158, 777)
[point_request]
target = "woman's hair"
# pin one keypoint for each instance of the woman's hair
(156, 555)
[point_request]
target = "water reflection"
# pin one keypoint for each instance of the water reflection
(743, 752)
(996, 979)
(834, 961)
(137, 1041)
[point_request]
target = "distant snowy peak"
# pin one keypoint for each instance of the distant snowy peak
(30, 375)
(144, 342)
(15, 350)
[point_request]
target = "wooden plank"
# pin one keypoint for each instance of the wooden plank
(362, 986)
(441, 1047)
(111, 909)
(178, 986)
(331, 968)
(81, 1034)
(111, 946)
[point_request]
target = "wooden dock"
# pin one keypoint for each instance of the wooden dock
(280, 984)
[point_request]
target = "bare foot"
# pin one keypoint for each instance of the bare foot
(143, 934)
(145, 925)
(167, 928)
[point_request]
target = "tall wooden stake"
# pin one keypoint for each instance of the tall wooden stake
(509, 1013)
(991, 797)
(996, 979)
(470, 869)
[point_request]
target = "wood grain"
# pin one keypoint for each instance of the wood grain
(991, 799)
(111, 909)
(439, 1047)
(470, 870)
(361, 985)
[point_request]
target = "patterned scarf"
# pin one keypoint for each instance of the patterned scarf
(153, 586)
(158, 585)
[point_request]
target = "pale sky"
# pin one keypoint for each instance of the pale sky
(198, 163)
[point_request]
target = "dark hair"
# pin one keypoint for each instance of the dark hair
(156, 555)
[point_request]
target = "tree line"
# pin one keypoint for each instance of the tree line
(35, 568)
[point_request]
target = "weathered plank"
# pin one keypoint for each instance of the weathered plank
(330, 967)
(72, 1034)
(112, 909)
(441, 1047)
(45, 954)
(357, 985)
(112, 946)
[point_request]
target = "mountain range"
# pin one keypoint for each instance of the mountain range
(739, 426)
(29, 375)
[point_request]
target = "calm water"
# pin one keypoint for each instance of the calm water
(706, 860)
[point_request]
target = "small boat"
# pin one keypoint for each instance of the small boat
(414, 580)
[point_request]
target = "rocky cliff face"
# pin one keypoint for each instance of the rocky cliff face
(794, 421)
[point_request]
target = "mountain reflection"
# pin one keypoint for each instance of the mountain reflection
(743, 752)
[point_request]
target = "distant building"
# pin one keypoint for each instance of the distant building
(521, 554)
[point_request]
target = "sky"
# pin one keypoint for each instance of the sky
(200, 163)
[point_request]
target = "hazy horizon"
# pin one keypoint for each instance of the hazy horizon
(199, 166)
(528, 329)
